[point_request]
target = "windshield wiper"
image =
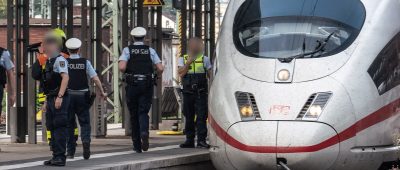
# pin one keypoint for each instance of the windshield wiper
(320, 48)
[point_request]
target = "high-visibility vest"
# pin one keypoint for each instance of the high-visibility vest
(197, 67)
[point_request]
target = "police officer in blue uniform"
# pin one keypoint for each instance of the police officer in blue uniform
(193, 69)
(6, 72)
(137, 63)
(55, 82)
(80, 69)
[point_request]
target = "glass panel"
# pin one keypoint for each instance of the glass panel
(301, 28)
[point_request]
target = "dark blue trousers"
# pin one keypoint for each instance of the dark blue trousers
(195, 107)
(138, 99)
(56, 122)
(1, 96)
(79, 107)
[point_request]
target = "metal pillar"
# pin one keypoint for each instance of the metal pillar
(198, 19)
(99, 122)
(190, 15)
(159, 41)
(18, 114)
(115, 56)
(10, 46)
(70, 18)
(183, 27)
(54, 13)
(212, 29)
(84, 27)
(140, 13)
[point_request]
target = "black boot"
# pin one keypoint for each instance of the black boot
(187, 144)
(54, 162)
(137, 150)
(70, 156)
(145, 142)
(86, 150)
(203, 144)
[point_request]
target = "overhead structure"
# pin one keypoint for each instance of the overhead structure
(104, 31)
(202, 14)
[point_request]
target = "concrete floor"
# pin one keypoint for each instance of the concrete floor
(112, 152)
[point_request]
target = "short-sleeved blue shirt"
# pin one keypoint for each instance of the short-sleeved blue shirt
(60, 65)
(5, 61)
(125, 56)
(89, 68)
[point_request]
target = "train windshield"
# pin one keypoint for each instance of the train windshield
(297, 28)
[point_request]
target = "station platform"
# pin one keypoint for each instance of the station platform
(112, 152)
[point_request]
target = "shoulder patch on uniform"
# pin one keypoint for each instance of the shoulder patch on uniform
(62, 64)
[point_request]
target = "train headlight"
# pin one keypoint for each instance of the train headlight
(314, 106)
(315, 110)
(246, 111)
(247, 105)
(284, 75)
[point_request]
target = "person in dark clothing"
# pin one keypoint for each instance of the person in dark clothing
(193, 69)
(137, 64)
(79, 70)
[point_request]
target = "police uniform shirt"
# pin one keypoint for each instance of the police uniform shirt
(5, 61)
(153, 54)
(60, 65)
(206, 62)
(89, 68)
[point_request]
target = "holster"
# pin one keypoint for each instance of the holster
(134, 80)
(194, 83)
(92, 98)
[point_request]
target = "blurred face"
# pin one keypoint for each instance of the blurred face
(51, 48)
(195, 46)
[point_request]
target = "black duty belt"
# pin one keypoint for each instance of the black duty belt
(138, 78)
(78, 92)
(52, 92)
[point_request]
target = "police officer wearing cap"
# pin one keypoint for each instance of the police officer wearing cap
(6, 72)
(55, 82)
(80, 69)
(193, 69)
(137, 63)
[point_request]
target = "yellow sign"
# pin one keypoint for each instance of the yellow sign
(153, 2)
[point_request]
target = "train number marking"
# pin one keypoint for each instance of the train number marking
(279, 109)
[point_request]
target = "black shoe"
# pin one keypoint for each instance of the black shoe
(187, 144)
(203, 144)
(145, 142)
(137, 150)
(47, 163)
(86, 150)
(70, 156)
(53, 162)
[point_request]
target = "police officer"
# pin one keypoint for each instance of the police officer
(193, 69)
(6, 72)
(137, 63)
(78, 89)
(55, 81)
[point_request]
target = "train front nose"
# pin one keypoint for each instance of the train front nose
(262, 144)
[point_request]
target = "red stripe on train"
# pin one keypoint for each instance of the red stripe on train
(370, 120)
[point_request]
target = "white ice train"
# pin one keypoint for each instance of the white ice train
(306, 84)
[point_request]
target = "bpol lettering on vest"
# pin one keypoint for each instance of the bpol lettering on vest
(140, 66)
(77, 71)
